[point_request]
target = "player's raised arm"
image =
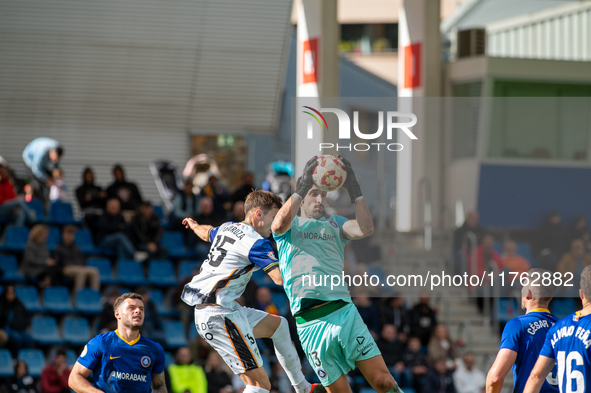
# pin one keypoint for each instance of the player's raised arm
(362, 226)
(538, 374)
(496, 376)
(158, 383)
(200, 230)
(289, 210)
(78, 381)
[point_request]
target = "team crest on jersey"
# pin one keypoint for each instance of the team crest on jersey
(271, 255)
(146, 361)
(321, 373)
(334, 224)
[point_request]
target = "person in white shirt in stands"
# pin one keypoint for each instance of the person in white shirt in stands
(467, 377)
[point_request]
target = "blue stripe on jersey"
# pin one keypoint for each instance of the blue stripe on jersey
(212, 233)
(569, 344)
(262, 255)
(120, 367)
(525, 335)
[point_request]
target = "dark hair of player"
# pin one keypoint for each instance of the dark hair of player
(60, 151)
(124, 297)
(586, 282)
(264, 200)
(544, 292)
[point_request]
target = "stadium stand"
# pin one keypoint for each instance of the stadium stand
(105, 269)
(44, 330)
(6, 369)
(174, 242)
(76, 331)
(131, 273)
(8, 264)
(35, 359)
(88, 301)
(37, 206)
(29, 295)
(15, 238)
(85, 242)
(61, 213)
(174, 334)
(161, 273)
(57, 300)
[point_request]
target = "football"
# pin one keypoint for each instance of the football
(329, 174)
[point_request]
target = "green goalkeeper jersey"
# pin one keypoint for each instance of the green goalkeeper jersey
(311, 260)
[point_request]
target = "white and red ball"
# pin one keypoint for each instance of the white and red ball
(330, 173)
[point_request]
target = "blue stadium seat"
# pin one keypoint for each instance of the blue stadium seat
(174, 242)
(563, 307)
(9, 266)
(174, 334)
(130, 272)
(15, 238)
(508, 309)
(37, 206)
(105, 269)
(71, 356)
(44, 330)
(57, 300)
(6, 369)
(168, 359)
(193, 332)
(281, 302)
(161, 273)
(61, 213)
(76, 330)
(262, 279)
(29, 295)
(55, 236)
(186, 268)
(88, 301)
(85, 242)
(34, 359)
(162, 307)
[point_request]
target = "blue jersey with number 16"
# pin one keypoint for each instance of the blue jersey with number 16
(569, 344)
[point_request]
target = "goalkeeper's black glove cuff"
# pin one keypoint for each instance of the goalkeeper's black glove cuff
(354, 191)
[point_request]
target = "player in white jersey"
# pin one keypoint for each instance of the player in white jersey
(238, 250)
(568, 345)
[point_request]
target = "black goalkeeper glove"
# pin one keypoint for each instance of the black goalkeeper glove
(351, 183)
(306, 181)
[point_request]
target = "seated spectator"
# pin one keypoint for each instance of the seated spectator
(552, 239)
(107, 320)
(21, 381)
(238, 214)
(217, 373)
(264, 301)
(69, 256)
(186, 204)
(368, 313)
(415, 360)
(218, 194)
(127, 192)
(485, 254)
(246, 188)
(13, 209)
(393, 312)
(57, 191)
(37, 263)
(470, 225)
(423, 320)
(467, 377)
(439, 379)
(112, 232)
(14, 321)
(186, 376)
(390, 346)
(574, 262)
(441, 346)
(152, 326)
(206, 217)
(578, 229)
(511, 261)
(54, 378)
(91, 198)
(146, 231)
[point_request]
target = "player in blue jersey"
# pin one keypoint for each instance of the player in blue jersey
(523, 338)
(568, 346)
(123, 360)
(333, 335)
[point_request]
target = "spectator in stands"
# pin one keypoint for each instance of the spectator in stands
(186, 204)
(57, 191)
(206, 217)
(91, 198)
(37, 263)
(12, 208)
(146, 231)
(14, 321)
(186, 376)
(467, 377)
(107, 320)
(439, 379)
(551, 239)
(415, 360)
(54, 378)
(511, 261)
(394, 312)
(152, 326)
(390, 346)
(217, 192)
(485, 254)
(368, 313)
(127, 192)
(442, 346)
(238, 214)
(246, 188)
(578, 229)
(470, 225)
(21, 381)
(217, 373)
(112, 232)
(264, 301)
(574, 262)
(423, 320)
(69, 256)
(42, 156)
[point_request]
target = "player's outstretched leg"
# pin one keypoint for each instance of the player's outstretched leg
(375, 371)
(256, 381)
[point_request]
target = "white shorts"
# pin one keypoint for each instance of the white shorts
(229, 332)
